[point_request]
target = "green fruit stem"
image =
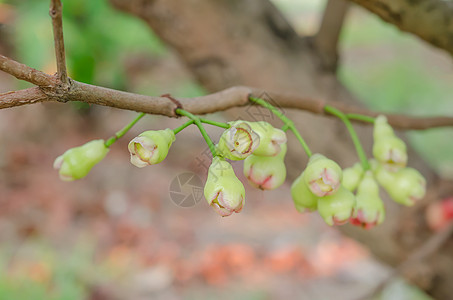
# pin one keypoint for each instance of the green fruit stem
(355, 139)
(124, 130)
(289, 124)
(360, 117)
(183, 126)
(199, 124)
(285, 128)
(206, 121)
(215, 123)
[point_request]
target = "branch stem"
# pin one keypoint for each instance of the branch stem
(355, 139)
(119, 134)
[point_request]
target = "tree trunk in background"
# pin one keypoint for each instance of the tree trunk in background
(233, 42)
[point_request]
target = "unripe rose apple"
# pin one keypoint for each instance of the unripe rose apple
(266, 172)
(150, 147)
(238, 142)
(336, 209)
(406, 186)
(352, 177)
(223, 190)
(388, 149)
(271, 138)
(77, 162)
(369, 209)
(322, 175)
(304, 199)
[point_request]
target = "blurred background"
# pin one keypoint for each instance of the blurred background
(117, 234)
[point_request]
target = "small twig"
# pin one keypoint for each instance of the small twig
(55, 13)
(428, 248)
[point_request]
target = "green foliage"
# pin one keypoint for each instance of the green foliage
(399, 289)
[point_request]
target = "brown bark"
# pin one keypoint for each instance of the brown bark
(55, 13)
(326, 40)
(22, 97)
(227, 43)
(431, 20)
(23, 72)
(219, 101)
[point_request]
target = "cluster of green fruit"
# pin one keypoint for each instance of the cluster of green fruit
(263, 149)
(259, 144)
(322, 186)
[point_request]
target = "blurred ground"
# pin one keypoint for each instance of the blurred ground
(116, 234)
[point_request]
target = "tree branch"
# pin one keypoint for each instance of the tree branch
(431, 20)
(24, 72)
(22, 97)
(223, 100)
(55, 13)
(326, 40)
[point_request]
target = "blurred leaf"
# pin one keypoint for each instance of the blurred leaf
(400, 290)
